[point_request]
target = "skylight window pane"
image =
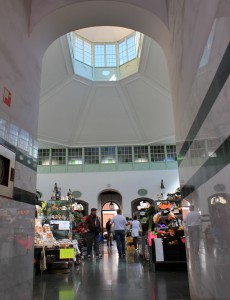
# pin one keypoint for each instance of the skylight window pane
(131, 54)
(87, 53)
(99, 55)
(106, 56)
(79, 49)
(111, 55)
(131, 41)
(131, 47)
(137, 38)
(122, 53)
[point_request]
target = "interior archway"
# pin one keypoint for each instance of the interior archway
(84, 204)
(151, 22)
(136, 202)
(108, 202)
(46, 26)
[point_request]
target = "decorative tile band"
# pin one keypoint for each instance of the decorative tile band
(24, 196)
(21, 157)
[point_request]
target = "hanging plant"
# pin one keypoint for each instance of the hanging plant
(150, 212)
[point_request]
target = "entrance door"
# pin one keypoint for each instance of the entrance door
(109, 210)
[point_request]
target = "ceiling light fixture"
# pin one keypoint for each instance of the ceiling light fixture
(111, 205)
(162, 184)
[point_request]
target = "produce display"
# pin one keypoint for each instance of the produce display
(169, 211)
(44, 237)
(58, 209)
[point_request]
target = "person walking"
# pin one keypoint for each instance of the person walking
(93, 228)
(119, 222)
(192, 222)
(108, 229)
(136, 227)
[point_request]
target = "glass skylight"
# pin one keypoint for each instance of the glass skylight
(103, 61)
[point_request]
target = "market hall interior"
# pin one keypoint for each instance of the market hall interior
(112, 278)
(194, 37)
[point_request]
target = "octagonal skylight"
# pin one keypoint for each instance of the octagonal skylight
(109, 56)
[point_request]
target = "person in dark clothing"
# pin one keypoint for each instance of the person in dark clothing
(93, 227)
(108, 229)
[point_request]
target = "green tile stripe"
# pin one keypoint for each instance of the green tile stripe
(24, 196)
(21, 157)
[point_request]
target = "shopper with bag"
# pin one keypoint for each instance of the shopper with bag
(119, 222)
(136, 228)
(93, 229)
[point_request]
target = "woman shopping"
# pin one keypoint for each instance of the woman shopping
(136, 227)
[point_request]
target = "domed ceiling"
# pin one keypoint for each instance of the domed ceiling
(75, 111)
(104, 34)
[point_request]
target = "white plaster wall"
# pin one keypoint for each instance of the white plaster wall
(126, 183)
(190, 23)
(20, 66)
(20, 71)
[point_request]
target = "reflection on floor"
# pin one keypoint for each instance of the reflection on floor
(112, 278)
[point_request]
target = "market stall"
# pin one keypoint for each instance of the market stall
(167, 241)
(55, 248)
(52, 254)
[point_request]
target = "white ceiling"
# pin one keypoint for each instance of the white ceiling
(104, 34)
(77, 112)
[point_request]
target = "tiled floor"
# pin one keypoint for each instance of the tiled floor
(112, 278)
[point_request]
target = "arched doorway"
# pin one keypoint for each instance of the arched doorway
(109, 202)
(140, 204)
(80, 205)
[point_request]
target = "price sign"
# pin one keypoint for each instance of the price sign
(62, 225)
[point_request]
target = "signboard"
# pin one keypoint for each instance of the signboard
(67, 253)
(159, 249)
(66, 293)
(7, 96)
(62, 225)
(7, 163)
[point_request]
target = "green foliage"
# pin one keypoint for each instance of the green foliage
(78, 217)
(150, 211)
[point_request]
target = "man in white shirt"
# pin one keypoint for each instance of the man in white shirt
(119, 222)
(192, 222)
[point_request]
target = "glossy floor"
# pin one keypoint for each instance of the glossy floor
(112, 278)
